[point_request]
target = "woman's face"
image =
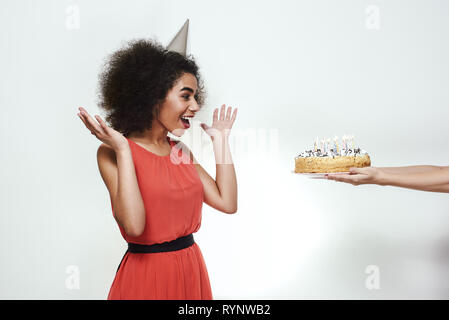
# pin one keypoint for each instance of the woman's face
(180, 103)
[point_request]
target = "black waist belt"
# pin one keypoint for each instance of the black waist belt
(174, 245)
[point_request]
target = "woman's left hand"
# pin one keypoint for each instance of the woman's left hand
(221, 126)
(357, 176)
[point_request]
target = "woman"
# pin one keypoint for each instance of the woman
(424, 177)
(155, 184)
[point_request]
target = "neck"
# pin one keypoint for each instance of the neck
(150, 137)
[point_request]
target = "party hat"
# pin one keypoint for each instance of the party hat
(179, 42)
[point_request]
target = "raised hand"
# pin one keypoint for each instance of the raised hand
(102, 131)
(221, 126)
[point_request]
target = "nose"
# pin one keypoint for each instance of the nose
(194, 107)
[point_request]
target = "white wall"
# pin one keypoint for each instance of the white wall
(301, 69)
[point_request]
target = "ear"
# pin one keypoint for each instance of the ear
(156, 110)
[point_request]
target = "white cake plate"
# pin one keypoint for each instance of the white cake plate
(320, 175)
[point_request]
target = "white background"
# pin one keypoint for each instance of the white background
(296, 70)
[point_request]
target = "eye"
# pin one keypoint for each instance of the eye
(188, 96)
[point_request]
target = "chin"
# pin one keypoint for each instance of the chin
(178, 132)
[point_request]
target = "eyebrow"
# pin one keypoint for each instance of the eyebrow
(187, 88)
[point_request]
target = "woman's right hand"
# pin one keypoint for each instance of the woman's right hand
(357, 176)
(103, 132)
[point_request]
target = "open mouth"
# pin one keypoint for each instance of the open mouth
(185, 122)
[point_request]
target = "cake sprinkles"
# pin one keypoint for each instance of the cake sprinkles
(326, 157)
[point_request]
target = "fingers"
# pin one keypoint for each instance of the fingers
(229, 118)
(222, 112)
(81, 115)
(90, 123)
(348, 178)
(355, 170)
(82, 119)
(229, 114)
(234, 114)
(96, 127)
(103, 125)
(215, 116)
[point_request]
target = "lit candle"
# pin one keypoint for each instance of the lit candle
(352, 142)
(328, 144)
(323, 146)
(315, 144)
(336, 149)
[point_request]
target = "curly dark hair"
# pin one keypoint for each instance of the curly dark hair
(135, 81)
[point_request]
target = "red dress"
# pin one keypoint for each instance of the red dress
(173, 195)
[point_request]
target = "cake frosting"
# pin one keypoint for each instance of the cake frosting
(326, 159)
(332, 153)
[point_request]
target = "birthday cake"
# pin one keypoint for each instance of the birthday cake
(326, 157)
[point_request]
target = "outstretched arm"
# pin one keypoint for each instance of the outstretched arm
(434, 180)
(425, 178)
(409, 169)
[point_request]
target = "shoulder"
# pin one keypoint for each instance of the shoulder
(185, 149)
(107, 165)
(106, 159)
(105, 152)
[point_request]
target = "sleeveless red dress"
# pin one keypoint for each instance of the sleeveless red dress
(173, 195)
